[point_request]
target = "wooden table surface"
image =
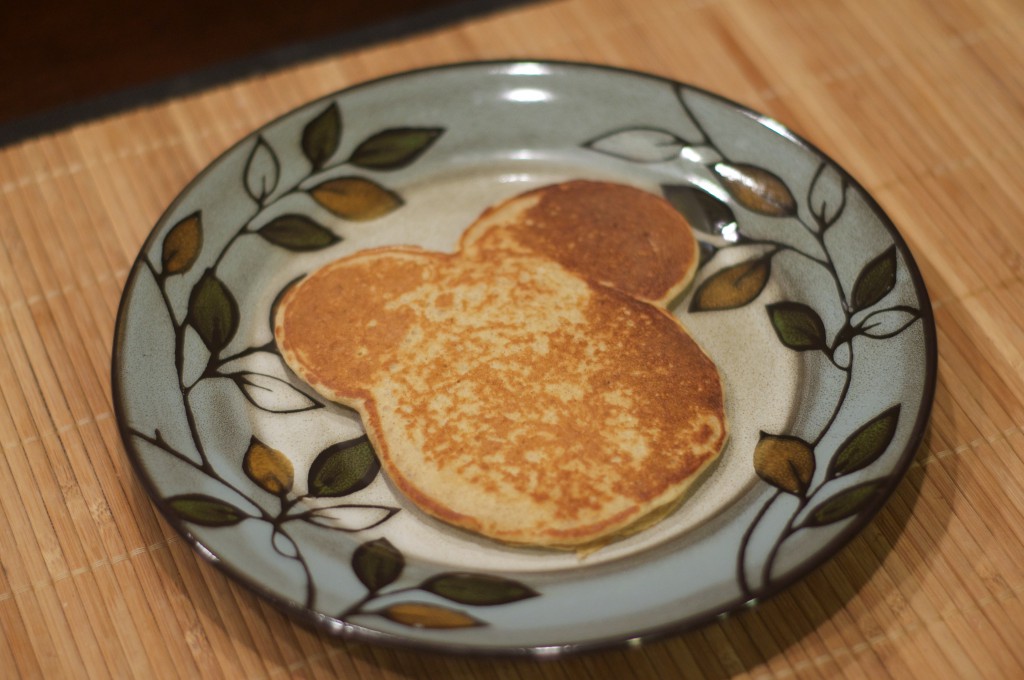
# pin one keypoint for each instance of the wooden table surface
(921, 100)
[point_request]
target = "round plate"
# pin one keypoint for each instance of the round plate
(806, 298)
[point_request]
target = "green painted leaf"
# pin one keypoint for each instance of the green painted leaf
(262, 171)
(343, 468)
(846, 503)
(269, 468)
(756, 189)
(798, 326)
(395, 148)
(422, 615)
(213, 312)
(356, 198)
(733, 286)
(377, 564)
(298, 233)
(477, 589)
(785, 462)
(205, 510)
(321, 136)
(182, 245)
(863, 447)
(702, 210)
(876, 280)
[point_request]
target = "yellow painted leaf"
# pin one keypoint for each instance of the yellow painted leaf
(784, 462)
(182, 245)
(419, 615)
(356, 198)
(756, 189)
(268, 467)
(733, 286)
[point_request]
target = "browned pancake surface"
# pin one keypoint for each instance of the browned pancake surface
(615, 234)
(505, 393)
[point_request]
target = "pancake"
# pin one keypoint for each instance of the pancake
(506, 392)
(611, 233)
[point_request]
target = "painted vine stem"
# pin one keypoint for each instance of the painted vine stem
(785, 461)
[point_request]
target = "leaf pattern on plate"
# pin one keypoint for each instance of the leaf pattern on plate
(270, 469)
(785, 461)
(640, 145)
(420, 615)
(377, 564)
(876, 280)
(213, 312)
(322, 136)
(394, 149)
(205, 510)
(798, 326)
(356, 198)
(888, 323)
(846, 503)
(297, 232)
(273, 395)
(756, 189)
(866, 445)
(262, 171)
(182, 244)
(477, 589)
(351, 517)
(827, 195)
(343, 469)
(732, 287)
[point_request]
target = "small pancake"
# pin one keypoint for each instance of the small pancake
(506, 393)
(611, 233)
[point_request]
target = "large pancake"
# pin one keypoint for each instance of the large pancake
(508, 394)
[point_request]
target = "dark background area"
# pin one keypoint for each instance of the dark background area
(62, 61)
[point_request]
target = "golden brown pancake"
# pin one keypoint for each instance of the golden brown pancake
(611, 233)
(507, 392)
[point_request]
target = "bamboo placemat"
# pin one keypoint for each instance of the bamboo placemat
(922, 101)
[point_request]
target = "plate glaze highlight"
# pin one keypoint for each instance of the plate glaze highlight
(806, 298)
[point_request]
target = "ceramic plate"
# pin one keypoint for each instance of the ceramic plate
(806, 298)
